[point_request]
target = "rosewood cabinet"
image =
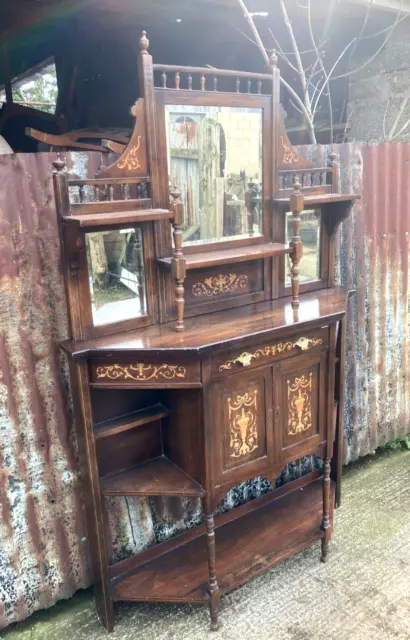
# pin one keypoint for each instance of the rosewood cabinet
(196, 363)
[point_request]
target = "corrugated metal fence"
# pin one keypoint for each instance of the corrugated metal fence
(43, 552)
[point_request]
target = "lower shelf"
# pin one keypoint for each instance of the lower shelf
(245, 547)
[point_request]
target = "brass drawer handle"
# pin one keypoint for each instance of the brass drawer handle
(305, 343)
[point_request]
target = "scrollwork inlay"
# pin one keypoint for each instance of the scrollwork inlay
(140, 372)
(130, 161)
(242, 413)
(220, 284)
(300, 404)
(245, 358)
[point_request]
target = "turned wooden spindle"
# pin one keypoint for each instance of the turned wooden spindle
(238, 85)
(335, 173)
(249, 85)
(178, 260)
(259, 86)
(296, 206)
(213, 588)
(164, 80)
(326, 526)
(60, 181)
(202, 82)
(190, 82)
(215, 82)
(177, 80)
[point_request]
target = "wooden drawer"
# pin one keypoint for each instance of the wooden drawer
(269, 351)
(146, 371)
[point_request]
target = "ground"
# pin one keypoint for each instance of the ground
(362, 593)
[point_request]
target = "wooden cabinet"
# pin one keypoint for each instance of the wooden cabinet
(188, 405)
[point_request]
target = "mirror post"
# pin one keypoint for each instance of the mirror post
(178, 260)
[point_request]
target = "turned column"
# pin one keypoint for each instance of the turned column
(325, 526)
(178, 263)
(296, 206)
(213, 588)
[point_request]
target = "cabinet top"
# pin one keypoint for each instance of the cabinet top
(223, 328)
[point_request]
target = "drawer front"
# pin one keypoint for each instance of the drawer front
(272, 351)
(145, 371)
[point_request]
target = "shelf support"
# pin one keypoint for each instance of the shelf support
(296, 206)
(213, 587)
(325, 526)
(178, 263)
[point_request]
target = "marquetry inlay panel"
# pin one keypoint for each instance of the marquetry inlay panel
(299, 404)
(220, 284)
(140, 372)
(242, 416)
(246, 358)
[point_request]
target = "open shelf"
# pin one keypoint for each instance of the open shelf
(229, 256)
(157, 477)
(129, 421)
(269, 532)
(321, 198)
(104, 219)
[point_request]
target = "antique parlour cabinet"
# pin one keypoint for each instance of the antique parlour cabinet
(205, 349)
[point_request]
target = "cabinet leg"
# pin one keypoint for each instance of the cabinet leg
(326, 528)
(213, 588)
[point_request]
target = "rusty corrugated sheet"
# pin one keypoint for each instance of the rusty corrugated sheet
(43, 551)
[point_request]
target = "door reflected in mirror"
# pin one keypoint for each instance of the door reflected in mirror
(310, 235)
(116, 275)
(215, 158)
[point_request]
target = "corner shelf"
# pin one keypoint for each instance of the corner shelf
(229, 256)
(157, 477)
(270, 529)
(321, 198)
(106, 219)
(130, 421)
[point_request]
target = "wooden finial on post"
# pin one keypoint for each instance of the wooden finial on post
(60, 182)
(335, 172)
(144, 43)
(178, 260)
(297, 202)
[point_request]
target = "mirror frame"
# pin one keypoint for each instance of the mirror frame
(175, 97)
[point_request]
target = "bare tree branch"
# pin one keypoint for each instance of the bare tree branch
(400, 111)
(255, 32)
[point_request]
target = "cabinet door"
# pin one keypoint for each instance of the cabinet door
(300, 398)
(241, 412)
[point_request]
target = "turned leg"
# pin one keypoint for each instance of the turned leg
(213, 588)
(296, 206)
(326, 527)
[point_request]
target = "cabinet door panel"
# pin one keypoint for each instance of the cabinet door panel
(301, 395)
(241, 441)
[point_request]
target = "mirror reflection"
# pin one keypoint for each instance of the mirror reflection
(116, 275)
(310, 235)
(215, 158)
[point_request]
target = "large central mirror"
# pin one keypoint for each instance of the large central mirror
(215, 157)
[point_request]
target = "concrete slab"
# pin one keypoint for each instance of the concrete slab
(362, 593)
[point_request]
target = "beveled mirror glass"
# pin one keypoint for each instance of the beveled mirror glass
(215, 157)
(310, 236)
(116, 275)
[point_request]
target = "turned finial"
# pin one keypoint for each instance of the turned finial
(273, 59)
(296, 184)
(59, 165)
(144, 43)
(176, 193)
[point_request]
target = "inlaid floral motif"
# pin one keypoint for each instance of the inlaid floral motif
(140, 372)
(242, 412)
(220, 284)
(130, 161)
(300, 404)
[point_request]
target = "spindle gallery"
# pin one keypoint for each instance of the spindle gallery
(207, 332)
